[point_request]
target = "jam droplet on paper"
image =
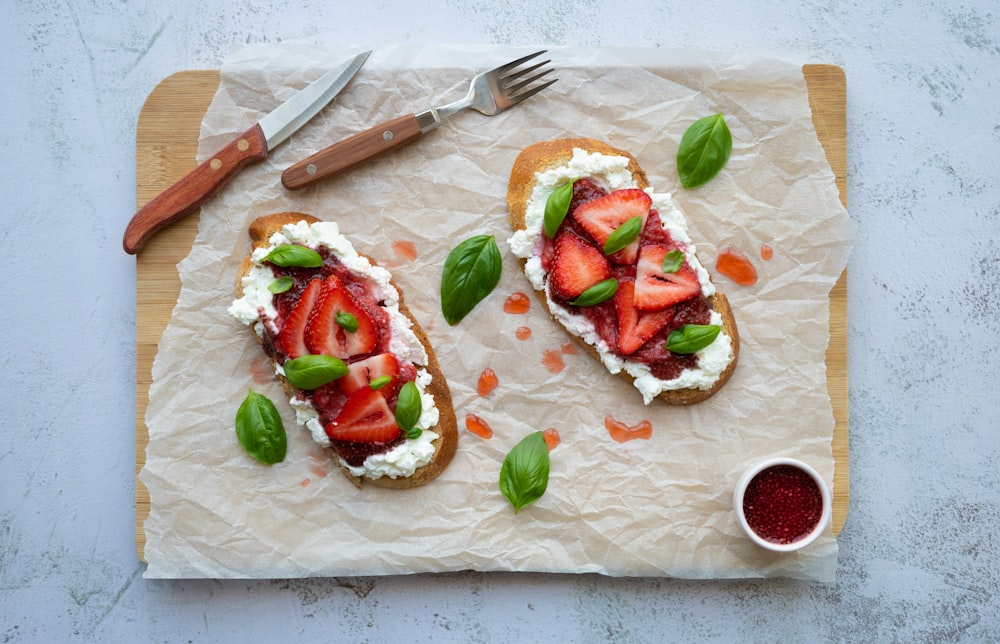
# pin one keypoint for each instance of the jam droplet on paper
(552, 359)
(621, 432)
(522, 333)
(319, 463)
(261, 370)
(405, 249)
(783, 504)
(551, 436)
(517, 303)
(478, 426)
(766, 252)
(736, 266)
(488, 381)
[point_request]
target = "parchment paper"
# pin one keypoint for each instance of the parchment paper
(657, 507)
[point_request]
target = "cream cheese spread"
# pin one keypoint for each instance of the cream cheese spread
(256, 306)
(611, 173)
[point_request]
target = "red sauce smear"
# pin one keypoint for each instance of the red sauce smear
(320, 466)
(782, 504)
(766, 252)
(478, 426)
(488, 381)
(305, 482)
(552, 359)
(522, 333)
(262, 371)
(517, 303)
(551, 436)
(736, 266)
(405, 249)
(621, 432)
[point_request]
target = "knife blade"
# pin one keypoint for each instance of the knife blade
(194, 188)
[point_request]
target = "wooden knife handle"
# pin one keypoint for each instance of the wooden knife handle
(351, 151)
(194, 188)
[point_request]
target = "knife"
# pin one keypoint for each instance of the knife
(197, 186)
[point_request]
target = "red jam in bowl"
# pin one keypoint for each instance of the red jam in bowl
(783, 504)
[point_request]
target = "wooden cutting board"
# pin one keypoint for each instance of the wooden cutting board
(166, 146)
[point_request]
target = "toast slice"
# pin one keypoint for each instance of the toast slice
(251, 308)
(536, 172)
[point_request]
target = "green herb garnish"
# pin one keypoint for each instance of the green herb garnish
(408, 410)
(524, 475)
(704, 150)
(692, 337)
(294, 255)
(624, 235)
(600, 292)
(471, 272)
(673, 261)
(347, 321)
(556, 208)
(311, 371)
(260, 430)
(281, 284)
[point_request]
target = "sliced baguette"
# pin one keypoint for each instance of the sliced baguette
(261, 230)
(546, 155)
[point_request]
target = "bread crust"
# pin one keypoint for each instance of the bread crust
(545, 155)
(445, 445)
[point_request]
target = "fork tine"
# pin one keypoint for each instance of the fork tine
(515, 88)
(531, 92)
(522, 72)
(514, 63)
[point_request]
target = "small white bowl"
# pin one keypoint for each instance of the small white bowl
(801, 542)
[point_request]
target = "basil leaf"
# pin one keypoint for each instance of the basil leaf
(597, 293)
(379, 382)
(314, 370)
(673, 261)
(294, 255)
(281, 284)
(692, 337)
(524, 474)
(408, 408)
(556, 208)
(471, 272)
(347, 321)
(260, 430)
(704, 150)
(624, 235)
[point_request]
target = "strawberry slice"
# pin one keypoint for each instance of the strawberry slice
(365, 418)
(604, 215)
(363, 372)
(656, 290)
(291, 339)
(325, 335)
(636, 328)
(576, 266)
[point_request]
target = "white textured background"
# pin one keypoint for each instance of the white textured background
(919, 556)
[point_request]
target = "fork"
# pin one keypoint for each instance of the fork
(490, 93)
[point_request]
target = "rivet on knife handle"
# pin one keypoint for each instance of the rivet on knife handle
(351, 151)
(197, 186)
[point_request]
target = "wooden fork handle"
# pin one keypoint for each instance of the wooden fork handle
(352, 151)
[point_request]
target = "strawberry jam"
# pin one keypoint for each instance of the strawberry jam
(783, 504)
(647, 346)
